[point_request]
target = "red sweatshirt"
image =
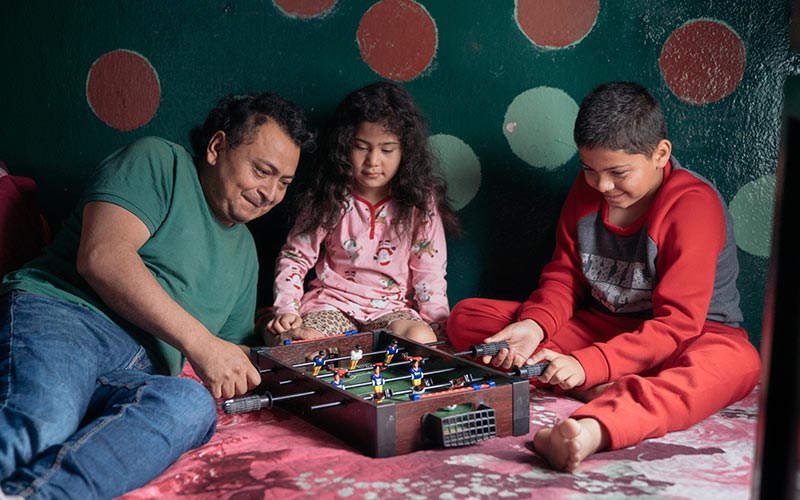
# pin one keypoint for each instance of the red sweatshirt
(675, 268)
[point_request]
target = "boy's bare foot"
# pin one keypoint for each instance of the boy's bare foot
(568, 443)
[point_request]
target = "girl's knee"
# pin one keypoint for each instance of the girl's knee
(422, 333)
(413, 330)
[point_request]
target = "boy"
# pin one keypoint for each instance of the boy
(637, 311)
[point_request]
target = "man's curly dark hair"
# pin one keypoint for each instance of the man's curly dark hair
(239, 116)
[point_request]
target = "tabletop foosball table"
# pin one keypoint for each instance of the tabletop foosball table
(378, 404)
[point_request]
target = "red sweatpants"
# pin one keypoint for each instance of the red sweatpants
(705, 373)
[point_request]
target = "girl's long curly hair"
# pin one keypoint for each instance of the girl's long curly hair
(417, 180)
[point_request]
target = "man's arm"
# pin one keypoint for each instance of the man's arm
(108, 260)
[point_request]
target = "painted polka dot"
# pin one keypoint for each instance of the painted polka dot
(461, 167)
(305, 9)
(397, 39)
(123, 90)
(702, 61)
(538, 126)
(556, 23)
(752, 211)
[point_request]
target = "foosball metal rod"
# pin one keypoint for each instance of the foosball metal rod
(288, 381)
(403, 377)
(428, 387)
(365, 369)
(327, 405)
(341, 358)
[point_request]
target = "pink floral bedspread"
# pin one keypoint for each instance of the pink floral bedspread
(274, 454)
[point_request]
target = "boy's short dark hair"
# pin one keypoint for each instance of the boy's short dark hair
(620, 116)
(240, 115)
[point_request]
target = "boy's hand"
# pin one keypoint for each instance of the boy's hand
(563, 371)
(523, 338)
(283, 323)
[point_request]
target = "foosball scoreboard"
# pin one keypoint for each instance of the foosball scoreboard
(378, 404)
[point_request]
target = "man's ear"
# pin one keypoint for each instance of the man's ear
(215, 147)
(662, 153)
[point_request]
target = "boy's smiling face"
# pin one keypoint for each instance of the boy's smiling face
(626, 181)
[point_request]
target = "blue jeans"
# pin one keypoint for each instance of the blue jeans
(82, 412)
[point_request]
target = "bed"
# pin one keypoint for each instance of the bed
(275, 454)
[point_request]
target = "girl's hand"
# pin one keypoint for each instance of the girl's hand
(301, 333)
(283, 323)
(564, 371)
(523, 338)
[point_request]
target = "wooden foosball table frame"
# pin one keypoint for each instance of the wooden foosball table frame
(500, 402)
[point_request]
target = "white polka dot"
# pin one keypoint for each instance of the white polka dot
(461, 167)
(538, 126)
(752, 211)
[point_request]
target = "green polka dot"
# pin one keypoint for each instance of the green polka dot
(538, 126)
(752, 210)
(461, 167)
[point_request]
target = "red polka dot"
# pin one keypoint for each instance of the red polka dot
(123, 89)
(556, 23)
(304, 8)
(397, 39)
(702, 61)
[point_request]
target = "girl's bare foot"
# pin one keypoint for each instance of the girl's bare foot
(568, 443)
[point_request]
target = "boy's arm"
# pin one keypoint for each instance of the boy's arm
(689, 239)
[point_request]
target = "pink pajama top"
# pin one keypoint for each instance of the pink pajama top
(364, 269)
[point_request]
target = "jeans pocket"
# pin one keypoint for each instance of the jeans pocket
(141, 361)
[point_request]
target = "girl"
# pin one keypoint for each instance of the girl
(372, 225)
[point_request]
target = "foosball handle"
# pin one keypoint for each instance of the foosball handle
(489, 349)
(530, 371)
(246, 404)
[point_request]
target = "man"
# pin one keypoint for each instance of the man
(154, 267)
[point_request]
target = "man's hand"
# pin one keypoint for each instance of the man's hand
(223, 367)
(283, 323)
(563, 371)
(523, 338)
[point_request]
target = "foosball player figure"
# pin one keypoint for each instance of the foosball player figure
(319, 362)
(391, 350)
(416, 376)
(337, 380)
(461, 381)
(355, 356)
(377, 384)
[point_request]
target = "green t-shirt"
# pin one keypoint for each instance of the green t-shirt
(209, 269)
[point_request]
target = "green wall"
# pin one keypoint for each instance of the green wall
(499, 80)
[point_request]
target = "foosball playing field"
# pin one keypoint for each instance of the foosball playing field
(388, 396)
